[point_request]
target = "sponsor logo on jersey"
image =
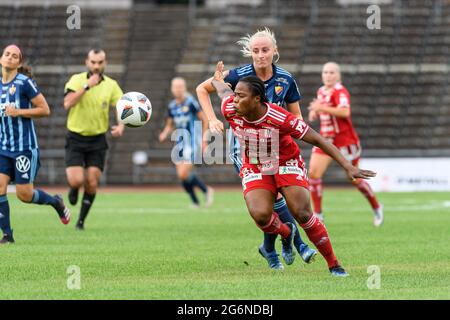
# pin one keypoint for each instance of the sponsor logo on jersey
(251, 177)
(290, 170)
(301, 127)
(282, 80)
(12, 89)
(247, 171)
(292, 163)
(23, 164)
(239, 122)
(251, 131)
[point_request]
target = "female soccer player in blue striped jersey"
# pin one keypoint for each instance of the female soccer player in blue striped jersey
(20, 102)
(281, 89)
(185, 115)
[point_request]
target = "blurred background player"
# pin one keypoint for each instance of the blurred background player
(281, 89)
(88, 97)
(20, 102)
(286, 173)
(332, 107)
(185, 115)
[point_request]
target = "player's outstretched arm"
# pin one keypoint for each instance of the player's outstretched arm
(295, 109)
(317, 106)
(222, 89)
(203, 91)
(218, 82)
(353, 172)
(168, 128)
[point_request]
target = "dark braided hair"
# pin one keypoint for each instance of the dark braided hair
(256, 86)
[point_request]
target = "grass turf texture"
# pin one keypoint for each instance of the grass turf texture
(150, 246)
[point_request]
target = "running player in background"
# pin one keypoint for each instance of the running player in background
(332, 106)
(255, 121)
(281, 89)
(183, 114)
(21, 101)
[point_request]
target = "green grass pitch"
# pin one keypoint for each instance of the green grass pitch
(149, 245)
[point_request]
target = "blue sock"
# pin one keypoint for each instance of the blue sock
(41, 197)
(195, 181)
(269, 241)
(187, 185)
(5, 223)
(282, 209)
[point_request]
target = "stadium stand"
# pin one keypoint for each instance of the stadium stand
(398, 76)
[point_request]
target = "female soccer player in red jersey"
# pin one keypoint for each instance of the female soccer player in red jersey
(332, 106)
(281, 89)
(260, 125)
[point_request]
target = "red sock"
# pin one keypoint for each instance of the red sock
(315, 186)
(317, 233)
(366, 190)
(276, 226)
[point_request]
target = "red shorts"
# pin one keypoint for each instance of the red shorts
(351, 152)
(288, 173)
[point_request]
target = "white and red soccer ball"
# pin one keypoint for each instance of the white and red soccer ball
(134, 109)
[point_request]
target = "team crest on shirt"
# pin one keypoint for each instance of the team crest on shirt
(12, 90)
(278, 90)
(104, 105)
(185, 109)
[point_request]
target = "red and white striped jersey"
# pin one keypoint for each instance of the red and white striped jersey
(339, 130)
(271, 135)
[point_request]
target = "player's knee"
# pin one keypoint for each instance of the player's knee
(182, 175)
(261, 219)
(25, 195)
(76, 184)
(91, 183)
(314, 173)
(303, 214)
(260, 215)
(76, 181)
(3, 188)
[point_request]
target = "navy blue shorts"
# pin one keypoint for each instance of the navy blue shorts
(21, 167)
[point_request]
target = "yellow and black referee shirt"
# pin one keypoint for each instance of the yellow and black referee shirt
(90, 116)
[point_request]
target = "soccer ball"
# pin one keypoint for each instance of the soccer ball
(134, 109)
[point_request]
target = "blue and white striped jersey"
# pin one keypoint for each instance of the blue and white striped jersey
(185, 116)
(17, 134)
